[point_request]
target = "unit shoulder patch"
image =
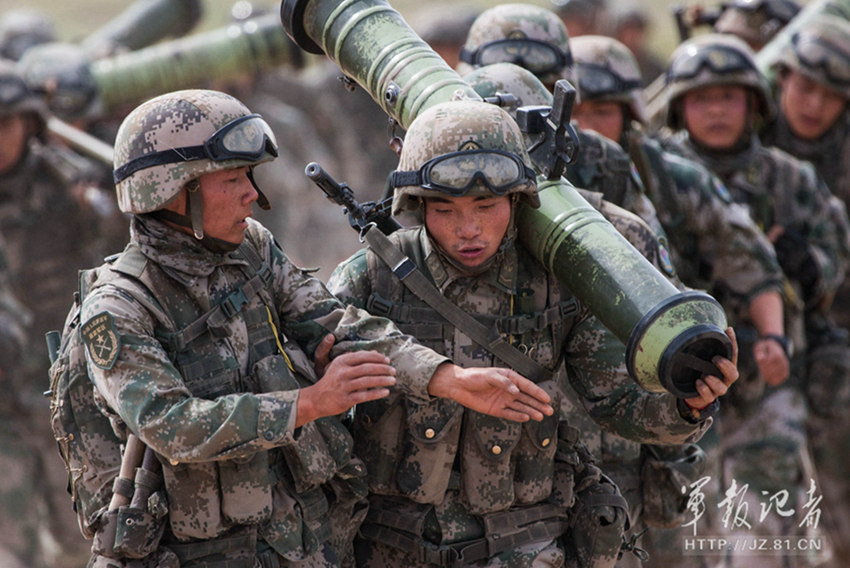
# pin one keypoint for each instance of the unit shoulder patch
(102, 340)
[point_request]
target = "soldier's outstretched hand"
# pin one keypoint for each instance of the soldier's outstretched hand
(349, 379)
(711, 387)
(499, 392)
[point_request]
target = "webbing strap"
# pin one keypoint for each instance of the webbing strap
(407, 271)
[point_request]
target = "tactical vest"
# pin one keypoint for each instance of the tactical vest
(412, 449)
(207, 499)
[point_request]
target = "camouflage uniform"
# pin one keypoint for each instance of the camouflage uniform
(829, 358)
(600, 165)
(24, 522)
(777, 190)
(441, 477)
(216, 399)
(54, 217)
(714, 243)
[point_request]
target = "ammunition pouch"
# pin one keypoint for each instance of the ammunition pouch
(666, 472)
(503, 531)
(598, 521)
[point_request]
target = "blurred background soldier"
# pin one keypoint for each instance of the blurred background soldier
(22, 29)
(26, 539)
(755, 21)
(716, 245)
(813, 123)
(583, 16)
(55, 218)
(631, 28)
(716, 97)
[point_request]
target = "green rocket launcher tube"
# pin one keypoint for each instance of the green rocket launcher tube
(223, 53)
(670, 336)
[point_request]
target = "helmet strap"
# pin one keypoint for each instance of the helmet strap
(195, 208)
(262, 200)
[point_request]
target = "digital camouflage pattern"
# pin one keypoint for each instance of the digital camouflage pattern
(445, 129)
(219, 412)
(830, 34)
(174, 120)
(518, 21)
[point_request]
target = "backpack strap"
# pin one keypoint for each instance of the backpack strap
(410, 275)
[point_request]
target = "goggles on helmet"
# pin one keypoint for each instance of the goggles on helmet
(815, 52)
(245, 138)
(539, 57)
(597, 81)
(455, 173)
(719, 58)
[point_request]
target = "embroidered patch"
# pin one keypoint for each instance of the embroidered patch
(664, 259)
(101, 340)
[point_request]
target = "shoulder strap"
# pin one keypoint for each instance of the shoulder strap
(132, 263)
(406, 271)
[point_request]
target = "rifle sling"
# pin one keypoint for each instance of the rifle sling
(410, 275)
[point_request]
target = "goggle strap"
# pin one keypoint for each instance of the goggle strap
(466, 56)
(402, 179)
(170, 156)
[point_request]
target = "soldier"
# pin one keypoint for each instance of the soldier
(582, 16)
(198, 339)
(450, 487)
(755, 21)
(715, 244)
(54, 217)
(716, 97)
(25, 538)
(631, 28)
(813, 123)
(536, 39)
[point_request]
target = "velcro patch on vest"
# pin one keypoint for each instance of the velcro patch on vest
(101, 340)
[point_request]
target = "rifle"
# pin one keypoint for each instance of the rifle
(360, 215)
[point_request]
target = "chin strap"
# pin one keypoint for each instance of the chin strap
(195, 209)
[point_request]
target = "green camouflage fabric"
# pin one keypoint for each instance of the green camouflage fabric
(715, 244)
(778, 189)
(594, 366)
(518, 21)
(594, 54)
(24, 524)
(173, 120)
(219, 411)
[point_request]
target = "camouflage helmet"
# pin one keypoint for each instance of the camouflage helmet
(462, 148)
(177, 137)
(755, 21)
(524, 34)
(507, 78)
(606, 70)
(22, 29)
(710, 60)
(820, 50)
(17, 98)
